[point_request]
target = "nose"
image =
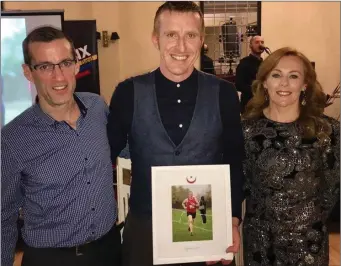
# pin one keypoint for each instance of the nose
(284, 81)
(181, 44)
(58, 73)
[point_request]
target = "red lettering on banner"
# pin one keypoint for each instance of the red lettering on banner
(83, 74)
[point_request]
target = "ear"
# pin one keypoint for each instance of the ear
(27, 72)
(202, 40)
(77, 66)
(155, 40)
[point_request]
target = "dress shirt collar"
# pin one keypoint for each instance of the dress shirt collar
(162, 80)
(41, 115)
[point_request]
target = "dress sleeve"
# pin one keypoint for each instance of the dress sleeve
(331, 173)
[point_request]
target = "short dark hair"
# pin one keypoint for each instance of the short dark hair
(178, 6)
(44, 34)
(252, 38)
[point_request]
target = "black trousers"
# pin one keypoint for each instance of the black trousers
(105, 251)
(203, 215)
(138, 243)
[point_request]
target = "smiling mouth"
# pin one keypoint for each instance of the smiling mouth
(179, 57)
(59, 88)
(283, 93)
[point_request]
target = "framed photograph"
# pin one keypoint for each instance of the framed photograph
(123, 170)
(191, 212)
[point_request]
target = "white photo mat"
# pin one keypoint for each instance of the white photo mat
(123, 169)
(165, 251)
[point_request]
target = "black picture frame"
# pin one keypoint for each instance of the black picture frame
(259, 17)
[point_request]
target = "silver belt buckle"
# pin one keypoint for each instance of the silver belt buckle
(78, 253)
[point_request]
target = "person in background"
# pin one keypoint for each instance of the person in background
(207, 64)
(247, 69)
(202, 209)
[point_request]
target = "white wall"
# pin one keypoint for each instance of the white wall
(137, 52)
(311, 27)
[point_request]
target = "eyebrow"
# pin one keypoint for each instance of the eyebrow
(47, 62)
(169, 31)
(186, 32)
(299, 72)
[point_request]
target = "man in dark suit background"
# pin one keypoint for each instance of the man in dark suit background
(206, 62)
(247, 69)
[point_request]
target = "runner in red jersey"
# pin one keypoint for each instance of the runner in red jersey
(190, 204)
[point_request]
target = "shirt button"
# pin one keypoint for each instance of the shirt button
(180, 126)
(178, 85)
(179, 101)
(85, 158)
(88, 182)
(92, 209)
(177, 153)
(93, 233)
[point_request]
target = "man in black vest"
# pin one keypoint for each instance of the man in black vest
(175, 115)
(247, 70)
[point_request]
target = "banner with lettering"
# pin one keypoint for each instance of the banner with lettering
(83, 34)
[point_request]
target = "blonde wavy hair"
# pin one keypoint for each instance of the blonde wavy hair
(311, 114)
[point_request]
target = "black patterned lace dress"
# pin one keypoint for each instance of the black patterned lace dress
(291, 187)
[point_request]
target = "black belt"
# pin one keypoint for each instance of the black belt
(79, 249)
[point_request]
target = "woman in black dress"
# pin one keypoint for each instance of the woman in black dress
(293, 165)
